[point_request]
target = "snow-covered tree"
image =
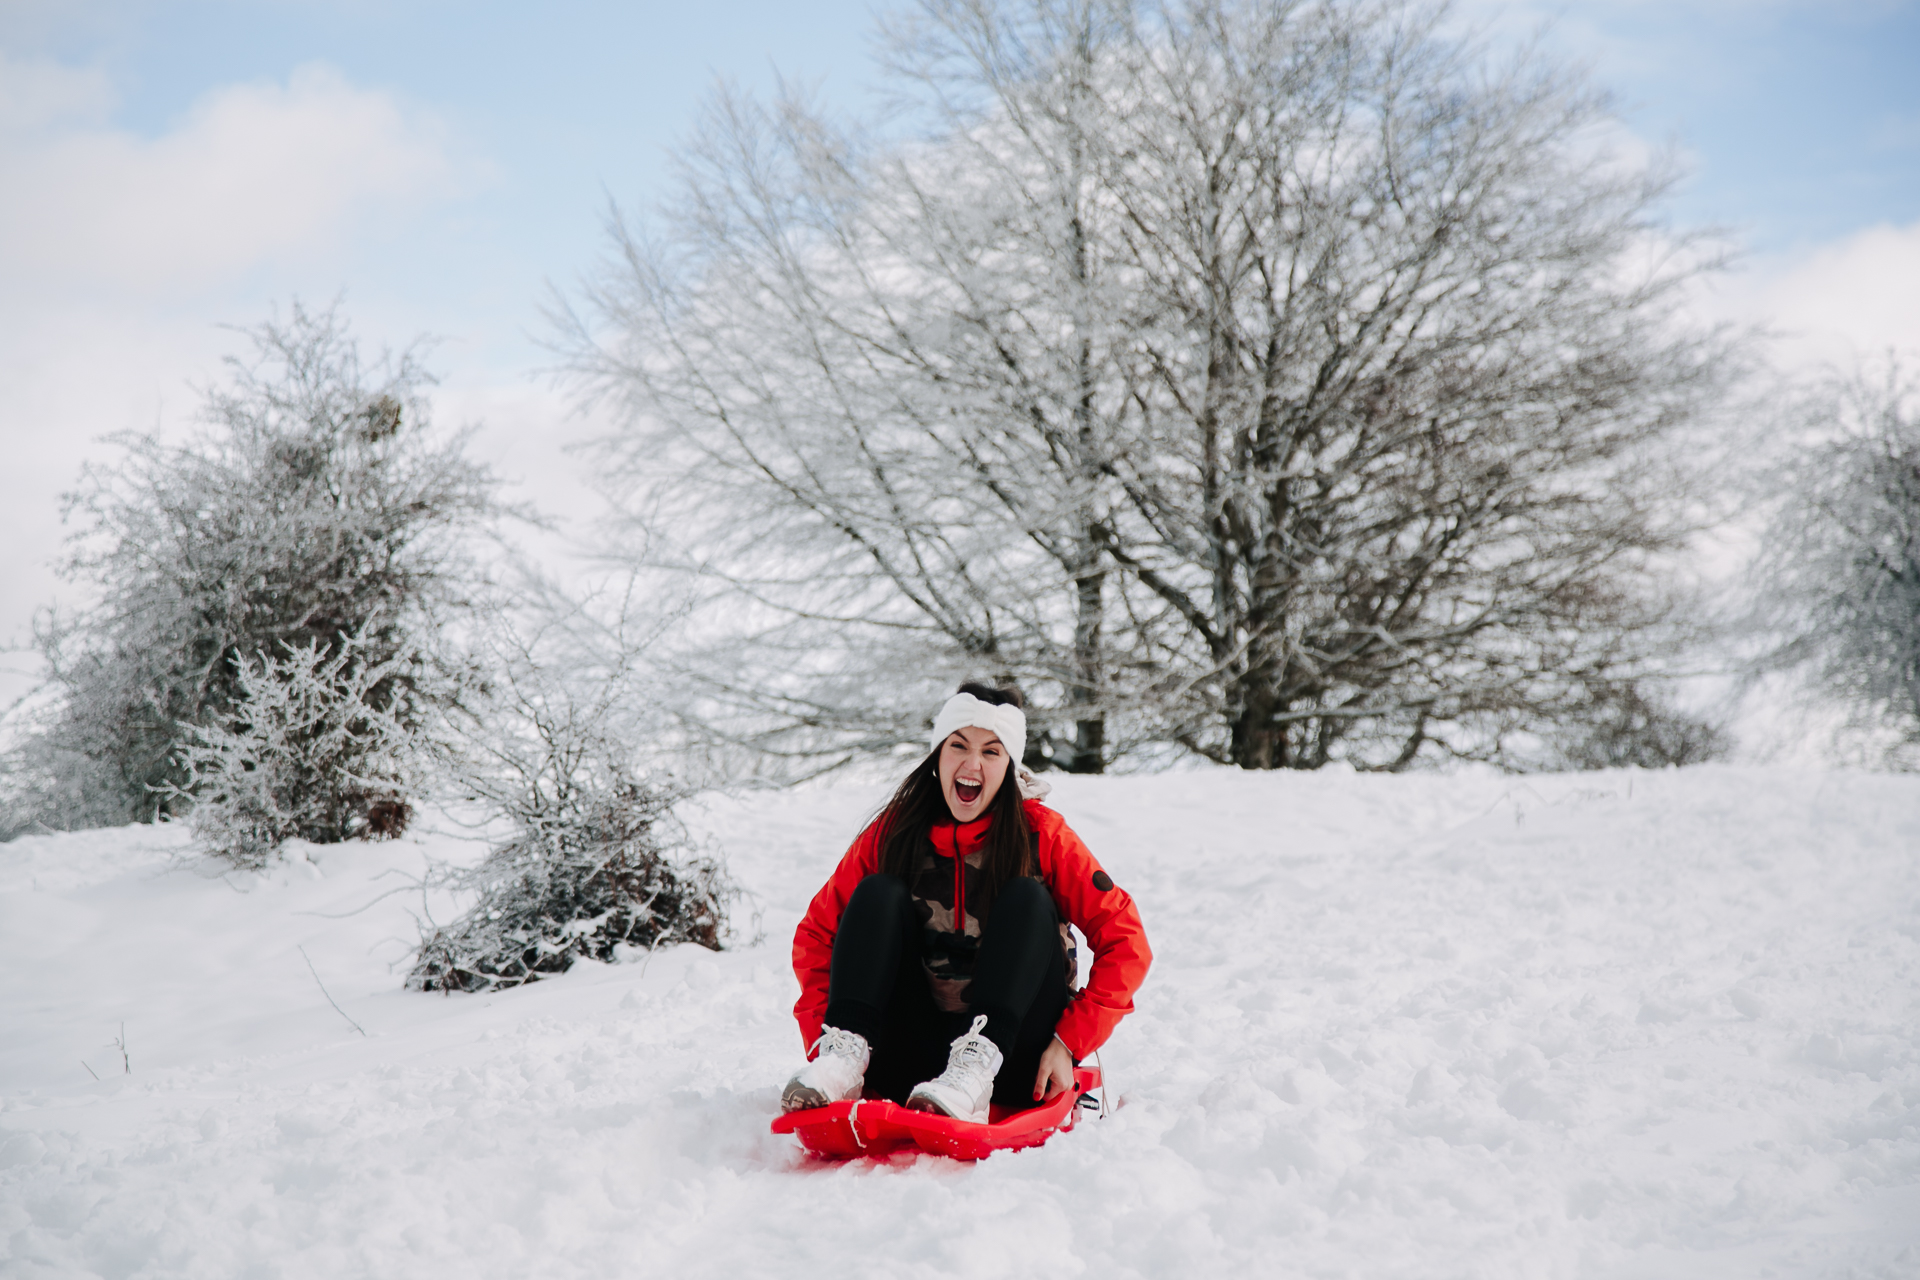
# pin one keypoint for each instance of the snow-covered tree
(316, 503)
(1839, 584)
(1281, 381)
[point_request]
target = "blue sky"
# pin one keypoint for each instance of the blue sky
(167, 168)
(1802, 121)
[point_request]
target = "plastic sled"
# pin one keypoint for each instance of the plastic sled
(878, 1128)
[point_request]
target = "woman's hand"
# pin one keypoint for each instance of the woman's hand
(1056, 1071)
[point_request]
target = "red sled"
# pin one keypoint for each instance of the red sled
(850, 1130)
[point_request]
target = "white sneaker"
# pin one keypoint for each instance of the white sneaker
(965, 1089)
(838, 1069)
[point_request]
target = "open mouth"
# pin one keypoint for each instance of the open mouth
(966, 792)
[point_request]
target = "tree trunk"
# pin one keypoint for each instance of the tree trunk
(1089, 731)
(1257, 741)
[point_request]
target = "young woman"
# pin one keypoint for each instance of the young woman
(935, 966)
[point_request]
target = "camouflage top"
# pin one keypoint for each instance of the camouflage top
(945, 904)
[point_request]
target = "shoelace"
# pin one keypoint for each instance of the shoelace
(970, 1052)
(835, 1041)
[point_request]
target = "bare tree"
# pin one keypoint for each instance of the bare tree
(1405, 386)
(1276, 380)
(861, 422)
(1838, 581)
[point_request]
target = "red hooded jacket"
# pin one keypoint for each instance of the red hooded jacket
(1084, 894)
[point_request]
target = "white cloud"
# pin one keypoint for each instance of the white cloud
(119, 254)
(252, 174)
(35, 96)
(1833, 303)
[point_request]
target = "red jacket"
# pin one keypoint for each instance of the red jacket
(1084, 894)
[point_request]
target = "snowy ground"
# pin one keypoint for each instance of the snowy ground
(1632, 1025)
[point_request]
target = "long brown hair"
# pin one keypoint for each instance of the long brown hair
(908, 818)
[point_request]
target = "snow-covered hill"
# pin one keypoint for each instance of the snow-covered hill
(1632, 1025)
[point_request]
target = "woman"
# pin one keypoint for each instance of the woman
(935, 965)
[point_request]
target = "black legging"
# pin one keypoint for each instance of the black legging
(878, 988)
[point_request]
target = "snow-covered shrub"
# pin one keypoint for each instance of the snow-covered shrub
(46, 784)
(594, 862)
(316, 503)
(585, 881)
(1635, 725)
(316, 749)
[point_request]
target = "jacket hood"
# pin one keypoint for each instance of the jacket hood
(965, 838)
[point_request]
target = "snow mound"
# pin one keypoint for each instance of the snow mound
(1624, 1024)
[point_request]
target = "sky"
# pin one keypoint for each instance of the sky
(168, 171)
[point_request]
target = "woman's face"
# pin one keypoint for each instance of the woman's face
(973, 764)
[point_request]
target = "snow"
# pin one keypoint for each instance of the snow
(1608, 1025)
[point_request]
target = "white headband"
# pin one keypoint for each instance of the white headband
(1005, 721)
(964, 711)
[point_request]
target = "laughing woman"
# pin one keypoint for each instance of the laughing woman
(935, 965)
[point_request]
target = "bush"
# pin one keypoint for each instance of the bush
(589, 866)
(1634, 725)
(579, 885)
(46, 786)
(313, 750)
